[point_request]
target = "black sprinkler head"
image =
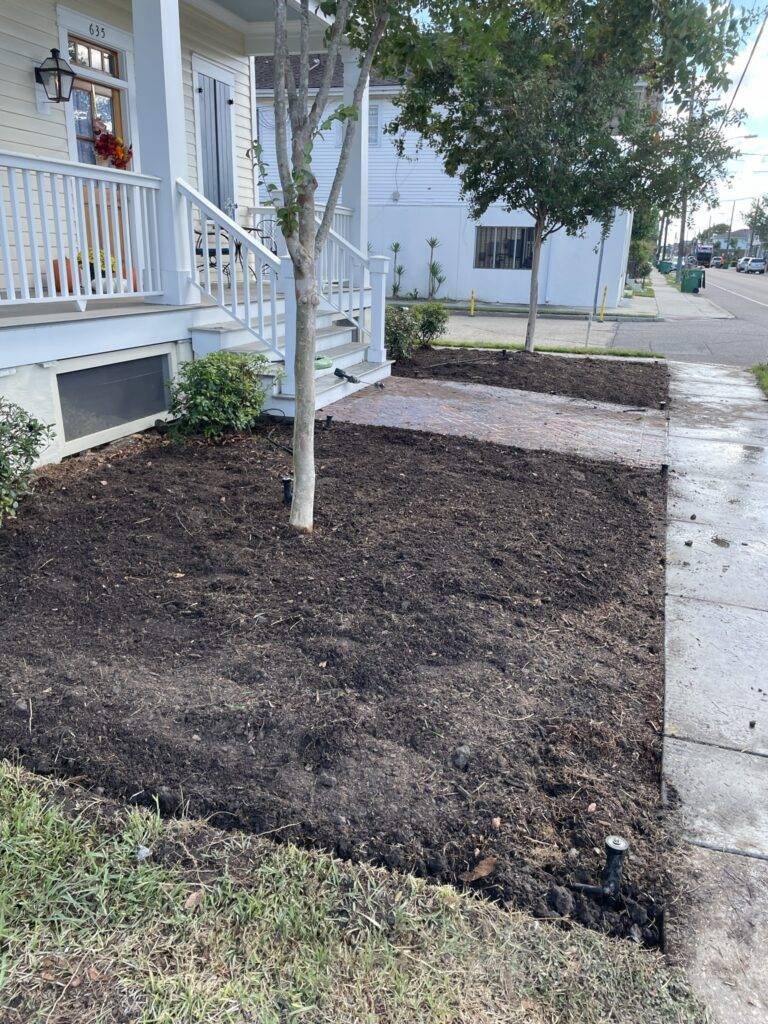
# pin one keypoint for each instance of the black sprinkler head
(287, 490)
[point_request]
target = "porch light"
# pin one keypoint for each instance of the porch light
(56, 77)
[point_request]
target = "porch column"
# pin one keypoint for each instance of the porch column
(162, 141)
(354, 190)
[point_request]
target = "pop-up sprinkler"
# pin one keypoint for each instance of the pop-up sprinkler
(328, 421)
(610, 877)
(287, 489)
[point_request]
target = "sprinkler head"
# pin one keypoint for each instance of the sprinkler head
(615, 848)
(328, 421)
(287, 489)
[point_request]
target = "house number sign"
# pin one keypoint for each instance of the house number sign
(97, 31)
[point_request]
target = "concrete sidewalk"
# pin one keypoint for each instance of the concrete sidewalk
(716, 708)
(675, 305)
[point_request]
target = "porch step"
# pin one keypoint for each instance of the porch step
(329, 388)
(231, 335)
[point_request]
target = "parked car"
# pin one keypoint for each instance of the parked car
(742, 264)
(755, 265)
(717, 261)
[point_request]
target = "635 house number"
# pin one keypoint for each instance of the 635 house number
(97, 31)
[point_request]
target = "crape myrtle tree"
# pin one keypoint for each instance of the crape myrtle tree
(555, 106)
(301, 118)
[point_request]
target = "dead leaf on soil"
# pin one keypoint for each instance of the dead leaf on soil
(193, 900)
(480, 870)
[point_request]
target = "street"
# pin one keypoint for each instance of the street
(742, 341)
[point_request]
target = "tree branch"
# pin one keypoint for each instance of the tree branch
(332, 56)
(281, 115)
(365, 70)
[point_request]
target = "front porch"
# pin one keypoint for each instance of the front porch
(99, 263)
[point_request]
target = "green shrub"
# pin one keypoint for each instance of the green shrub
(431, 321)
(222, 391)
(401, 332)
(22, 438)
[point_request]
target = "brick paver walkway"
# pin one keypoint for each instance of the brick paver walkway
(597, 430)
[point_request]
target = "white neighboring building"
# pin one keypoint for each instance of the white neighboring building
(411, 198)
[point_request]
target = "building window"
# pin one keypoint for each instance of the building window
(96, 108)
(374, 128)
(96, 58)
(503, 248)
(374, 135)
(97, 102)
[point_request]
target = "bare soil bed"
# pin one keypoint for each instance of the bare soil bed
(459, 673)
(622, 381)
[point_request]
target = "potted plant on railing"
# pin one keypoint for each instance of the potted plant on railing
(97, 265)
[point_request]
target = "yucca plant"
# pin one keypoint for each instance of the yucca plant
(397, 271)
(436, 276)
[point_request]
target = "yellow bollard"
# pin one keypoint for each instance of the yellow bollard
(602, 304)
(472, 302)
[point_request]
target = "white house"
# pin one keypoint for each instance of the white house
(411, 198)
(127, 204)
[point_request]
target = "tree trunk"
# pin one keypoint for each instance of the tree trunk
(302, 506)
(533, 302)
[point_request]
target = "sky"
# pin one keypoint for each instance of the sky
(749, 173)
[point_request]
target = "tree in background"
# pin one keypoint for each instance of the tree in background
(300, 119)
(645, 227)
(757, 222)
(536, 106)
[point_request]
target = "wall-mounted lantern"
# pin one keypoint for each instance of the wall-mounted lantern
(56, 77)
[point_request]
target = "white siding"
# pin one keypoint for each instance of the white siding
(418, 175)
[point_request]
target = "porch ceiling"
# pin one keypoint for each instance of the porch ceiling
(254, 10)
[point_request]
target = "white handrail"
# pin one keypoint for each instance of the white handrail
(22, 161)
(229, 261)
(75, 231)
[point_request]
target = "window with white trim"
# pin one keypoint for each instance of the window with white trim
(374, 128)
(503, 248)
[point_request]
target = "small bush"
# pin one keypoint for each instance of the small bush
(222, 391)
(401, 332)
(22, 438)
(431, 320)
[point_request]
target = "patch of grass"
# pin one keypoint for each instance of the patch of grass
(646, 293)
(761, 373)
(228, 929)
(576, 350)
(672, 279)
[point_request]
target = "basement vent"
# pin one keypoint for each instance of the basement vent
(103, 397)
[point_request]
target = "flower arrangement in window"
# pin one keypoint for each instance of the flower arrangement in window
(112, 148)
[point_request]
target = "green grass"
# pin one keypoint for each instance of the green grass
(761, 373)
(228, 929)
(672, 279)
(576, 350)
(646, 293)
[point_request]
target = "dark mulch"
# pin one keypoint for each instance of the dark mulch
(164, 634)
(643, 385)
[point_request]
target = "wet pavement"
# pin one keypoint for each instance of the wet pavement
(596, 430)
(716, 706)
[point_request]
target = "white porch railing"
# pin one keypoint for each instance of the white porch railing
(265, 225)
(341, 268)
(232, 267)
(72, 231)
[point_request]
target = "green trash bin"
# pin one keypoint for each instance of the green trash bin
(692, 280)
(666, 266)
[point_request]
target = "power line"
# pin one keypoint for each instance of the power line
(746, 66)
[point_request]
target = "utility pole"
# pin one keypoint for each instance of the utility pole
(684, 205)
(730, 229)
(664, 244)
